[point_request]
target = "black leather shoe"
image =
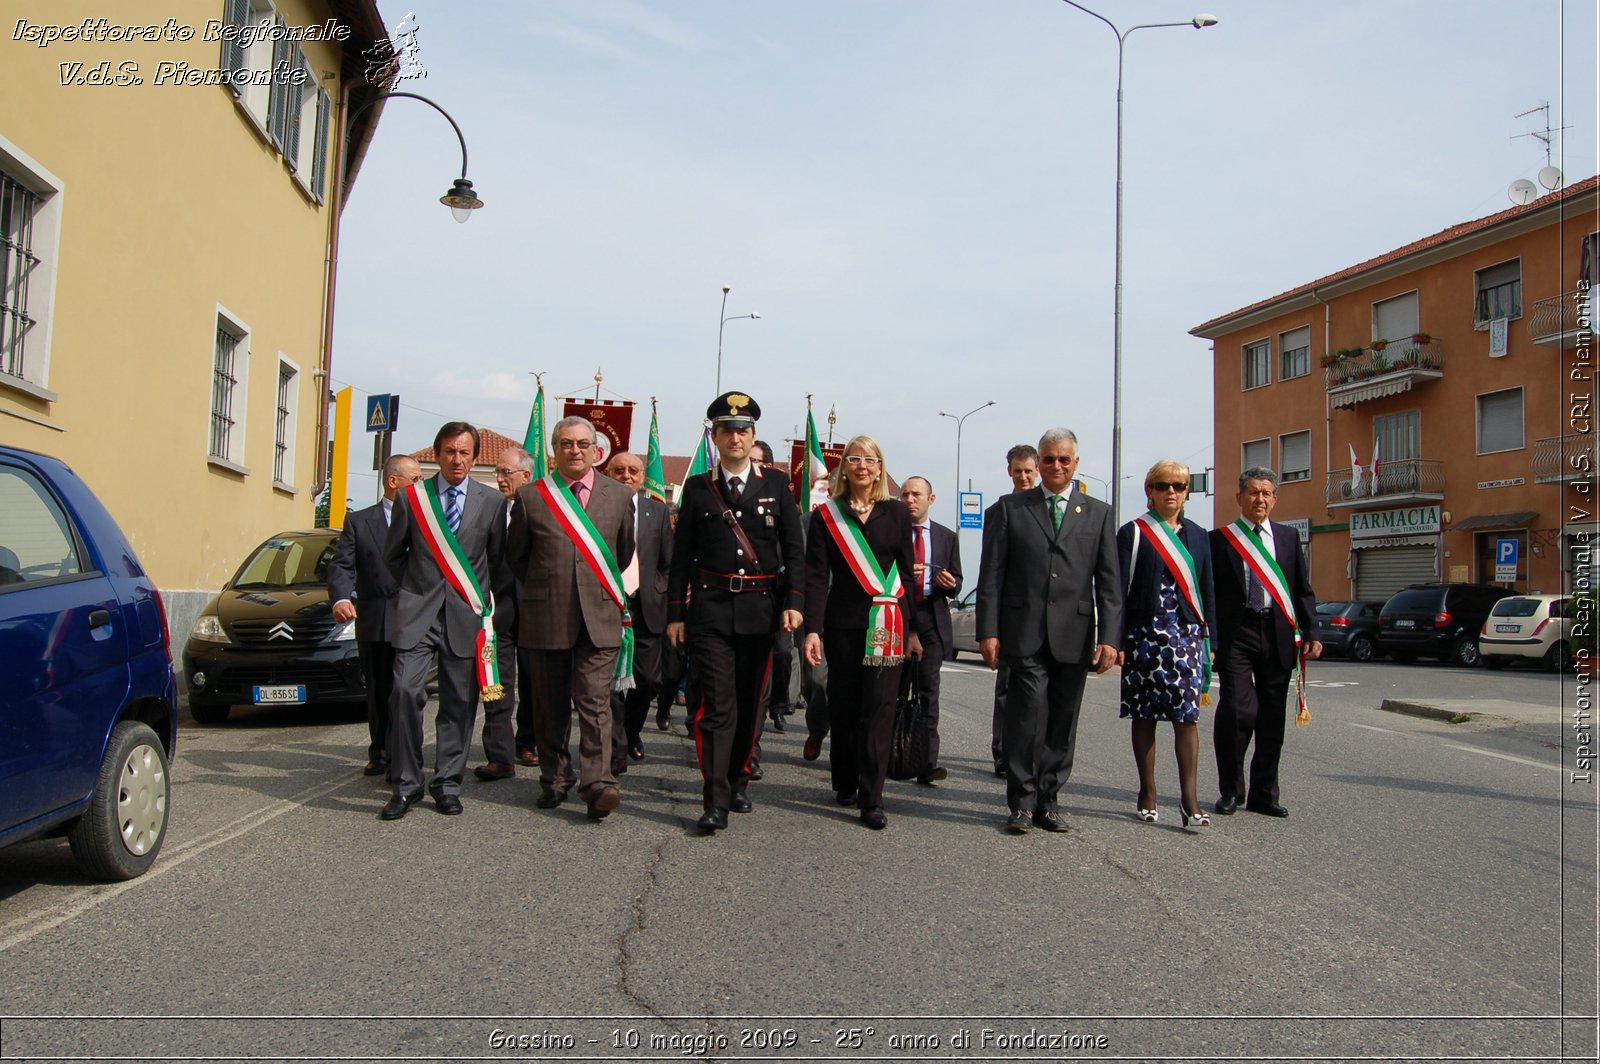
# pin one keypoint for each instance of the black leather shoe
(375, 768)
(1267, 809)
(550, 799)
(933, 775)
(874, 818)
(1019, 822)
(845, 797)
(636, 749)
(399, 806)
(755, 772)
(741, 803)
(712, 820)
(663, 720)
(448, 804)
(1000, 768)
(776, 716)
(1227, 805)
(1051, 821)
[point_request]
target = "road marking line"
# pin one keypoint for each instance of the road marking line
(1504, 757)
(1372, 727)
(948, 667)
(34, 924)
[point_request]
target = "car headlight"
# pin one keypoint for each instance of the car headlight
(345, 631)
(209, 628)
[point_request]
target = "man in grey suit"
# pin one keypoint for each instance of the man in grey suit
(1049, 580)
(647, 601)
(357, 573)
(432, 618)
(567, 621)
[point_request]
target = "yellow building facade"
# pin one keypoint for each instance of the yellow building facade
(169, 198)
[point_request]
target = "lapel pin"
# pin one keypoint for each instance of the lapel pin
(1077, 509)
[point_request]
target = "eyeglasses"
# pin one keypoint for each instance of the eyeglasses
(1056, 459)
(860, 459)
(502, 471)
(574, 445)
(1162, 485)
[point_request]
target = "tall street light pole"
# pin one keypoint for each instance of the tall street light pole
(725, 320)
(958, 421)
(1199, 22)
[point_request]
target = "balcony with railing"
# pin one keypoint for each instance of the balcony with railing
(1558, 321)
(1559, 459)
(1402, 481)
(1388, 367)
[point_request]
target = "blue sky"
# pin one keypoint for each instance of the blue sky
(917, 197)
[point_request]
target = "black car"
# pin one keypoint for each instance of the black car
(1436, 621)
(270, 638)
(1349, 629)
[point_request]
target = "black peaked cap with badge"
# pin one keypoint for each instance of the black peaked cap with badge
(734, 410)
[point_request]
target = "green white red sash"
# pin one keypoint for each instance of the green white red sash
(602, 563)
(1242, 537)
(886, 624)
(452, 562)
(1180, 563)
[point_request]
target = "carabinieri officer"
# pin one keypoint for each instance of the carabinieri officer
(737, 575)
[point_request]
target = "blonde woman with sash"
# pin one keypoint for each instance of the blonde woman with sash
(858, 557)
(1167, 616)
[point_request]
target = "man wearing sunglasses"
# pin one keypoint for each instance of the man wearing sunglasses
(1049, 582)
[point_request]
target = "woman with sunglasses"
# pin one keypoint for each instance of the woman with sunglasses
(1167, 617)
(858, 565)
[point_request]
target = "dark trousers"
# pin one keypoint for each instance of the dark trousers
(926, 672)
(499, 716)
(997, 732)
(564, 680)
(673, 666)
(630, 708)
(728, 677)
(814, 689)
(1254, 702)
(861, 700)
(1041, 729)
(783, 659)
(458, 708)
(377, 672)
(526, 740)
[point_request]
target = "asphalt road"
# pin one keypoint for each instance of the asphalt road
(1433, 894)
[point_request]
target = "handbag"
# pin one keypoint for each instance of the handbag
(908, 752)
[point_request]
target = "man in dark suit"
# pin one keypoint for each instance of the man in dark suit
(357, 573)
(1022, 466)
(738, 545)
(568, 619)
(646, 581)
(508, 720)
(434, 619)
(1256, 641)
(935, 580)
(1048, 583)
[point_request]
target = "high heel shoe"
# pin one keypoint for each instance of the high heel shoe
(1149, 816)
(1194, 822)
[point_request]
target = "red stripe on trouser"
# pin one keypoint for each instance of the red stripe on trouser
(755, 726)
(694, 726)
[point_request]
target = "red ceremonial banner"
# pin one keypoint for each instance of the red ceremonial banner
(833, 452)
(613, 418)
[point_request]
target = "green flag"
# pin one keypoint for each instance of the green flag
(655, 480)
(703, 457)
(534, 442)
(814, 464)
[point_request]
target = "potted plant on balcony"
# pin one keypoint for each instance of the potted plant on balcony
(1379, 345)
(1380, 362)
(1421, 339)
(1331, 359)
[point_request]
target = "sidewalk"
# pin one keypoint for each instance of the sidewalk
(1460, 709)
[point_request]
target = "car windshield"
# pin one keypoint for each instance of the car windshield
(285, 563)
(1328, 609)
(1517, 607)
(1425, 600)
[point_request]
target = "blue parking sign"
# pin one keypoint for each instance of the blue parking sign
(1507, 555)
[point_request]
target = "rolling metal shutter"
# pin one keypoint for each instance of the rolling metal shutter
(1381, 571)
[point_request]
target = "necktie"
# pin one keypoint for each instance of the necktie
(452, 509)
(1256, 594)
(1055, 512)
(735, 487)
(919, 554)
(579, 493)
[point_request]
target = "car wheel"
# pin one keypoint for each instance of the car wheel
(1464, 651)
(121, 832)
(1494, 661)
(1559, 657)
(1361, 649)
(208, 714)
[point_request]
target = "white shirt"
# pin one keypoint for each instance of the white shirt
(444, 500)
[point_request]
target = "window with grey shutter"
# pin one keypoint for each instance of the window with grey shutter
(1294, 359)
(296, 94)
(1499, 292)
(1294, 454)
(278, 102)
(1257, 455)
(235, 13)
(319, 162)
(1500, 421)
(1258, 364)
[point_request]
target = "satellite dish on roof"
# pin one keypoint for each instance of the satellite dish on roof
(1522, 191)
(1550, 178)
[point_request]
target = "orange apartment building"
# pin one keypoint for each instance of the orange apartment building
(1463, 364)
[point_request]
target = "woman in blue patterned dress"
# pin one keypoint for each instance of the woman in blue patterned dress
(1167, 616)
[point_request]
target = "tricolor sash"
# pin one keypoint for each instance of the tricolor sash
(602, 563)
(1180, 563)
(1241, 536)
(452, 562)
(886, 625)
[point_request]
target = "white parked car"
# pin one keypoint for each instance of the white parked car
(1529, 627)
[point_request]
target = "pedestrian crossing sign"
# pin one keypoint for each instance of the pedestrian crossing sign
(377, 413)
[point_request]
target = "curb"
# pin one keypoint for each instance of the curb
(1421, 709)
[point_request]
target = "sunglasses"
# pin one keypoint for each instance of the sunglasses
(1055, 459)
(1163, 485)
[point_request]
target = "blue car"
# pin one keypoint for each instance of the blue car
(88, 703)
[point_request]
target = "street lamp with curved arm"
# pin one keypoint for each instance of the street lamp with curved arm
(1199, 22)
(461, 200)
(959, 421)
(730, 317)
